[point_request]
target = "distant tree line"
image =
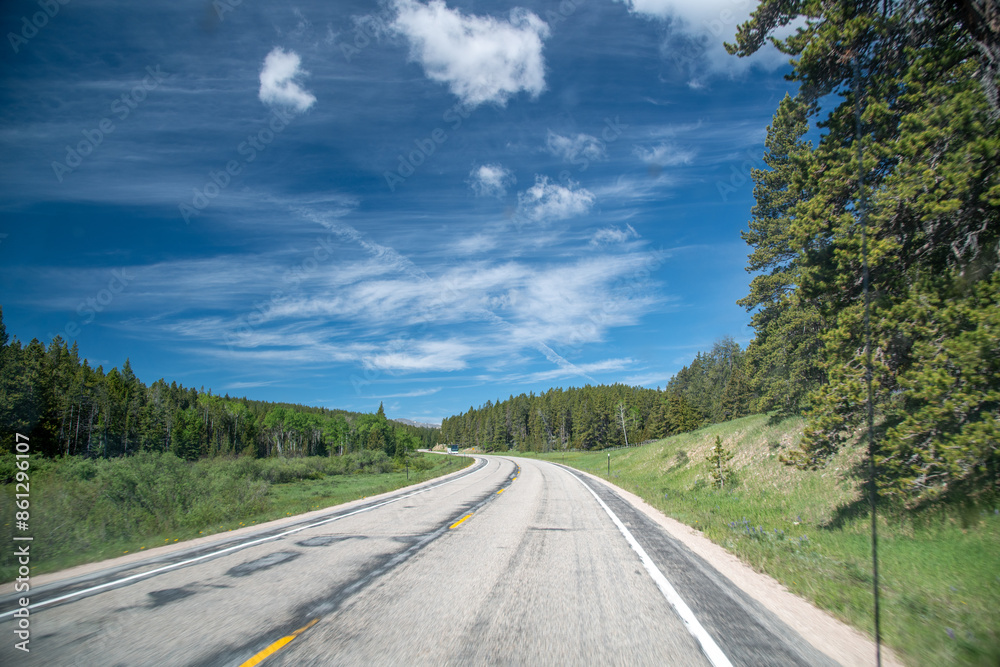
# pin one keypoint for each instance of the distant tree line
(68, 408)
(711, 389)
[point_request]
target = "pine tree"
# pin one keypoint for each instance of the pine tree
(929, 137)
(784, 356)
(718, 461)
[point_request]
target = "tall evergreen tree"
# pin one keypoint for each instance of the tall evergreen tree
(929, 136)
(784, 357)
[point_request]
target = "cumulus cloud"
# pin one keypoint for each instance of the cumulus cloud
(481, 58)
(613, 235)
(546, 201)
(572, 149)
(491, 180)
(276, 81)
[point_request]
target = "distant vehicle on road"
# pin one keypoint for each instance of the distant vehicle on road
(453, 449)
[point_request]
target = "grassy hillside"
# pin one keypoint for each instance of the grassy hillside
(940, 570)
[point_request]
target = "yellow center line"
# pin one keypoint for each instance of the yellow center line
(459, 522)
(277, 646)
(500, 491)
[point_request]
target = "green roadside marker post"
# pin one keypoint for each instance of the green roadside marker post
(609, 465)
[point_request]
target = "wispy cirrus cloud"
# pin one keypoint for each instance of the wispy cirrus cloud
(608, 235)
(502, 310)
(591, 368)
(663, 155)
(408, 394)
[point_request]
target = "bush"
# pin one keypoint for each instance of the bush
(420, 463)
(370, 461)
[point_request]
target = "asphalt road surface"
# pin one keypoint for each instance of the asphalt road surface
(513, 561)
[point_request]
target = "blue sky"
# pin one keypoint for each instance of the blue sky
(429, 204)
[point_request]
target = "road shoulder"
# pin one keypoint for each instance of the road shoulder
(827, 634)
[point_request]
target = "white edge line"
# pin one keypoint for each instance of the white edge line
(712, 650)
(236, 547)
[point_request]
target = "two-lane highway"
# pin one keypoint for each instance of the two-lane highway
(513, 561)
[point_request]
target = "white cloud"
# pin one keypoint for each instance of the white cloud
(613, 235)
(708, 15)
(481, 58)
(546, 201)
(491, 180)
(705, 26)
(423, 356)
(663, 155)
(276, 81)
(572, 149)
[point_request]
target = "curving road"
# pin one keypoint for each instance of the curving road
(512, 561)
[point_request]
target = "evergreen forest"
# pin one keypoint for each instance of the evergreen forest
(66, 408)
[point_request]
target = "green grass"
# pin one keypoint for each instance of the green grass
(85, 511)
(939, 570)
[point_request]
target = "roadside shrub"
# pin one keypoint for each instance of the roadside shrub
(280, 471)
(247, 467)
(371, 461)
(420, 463)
